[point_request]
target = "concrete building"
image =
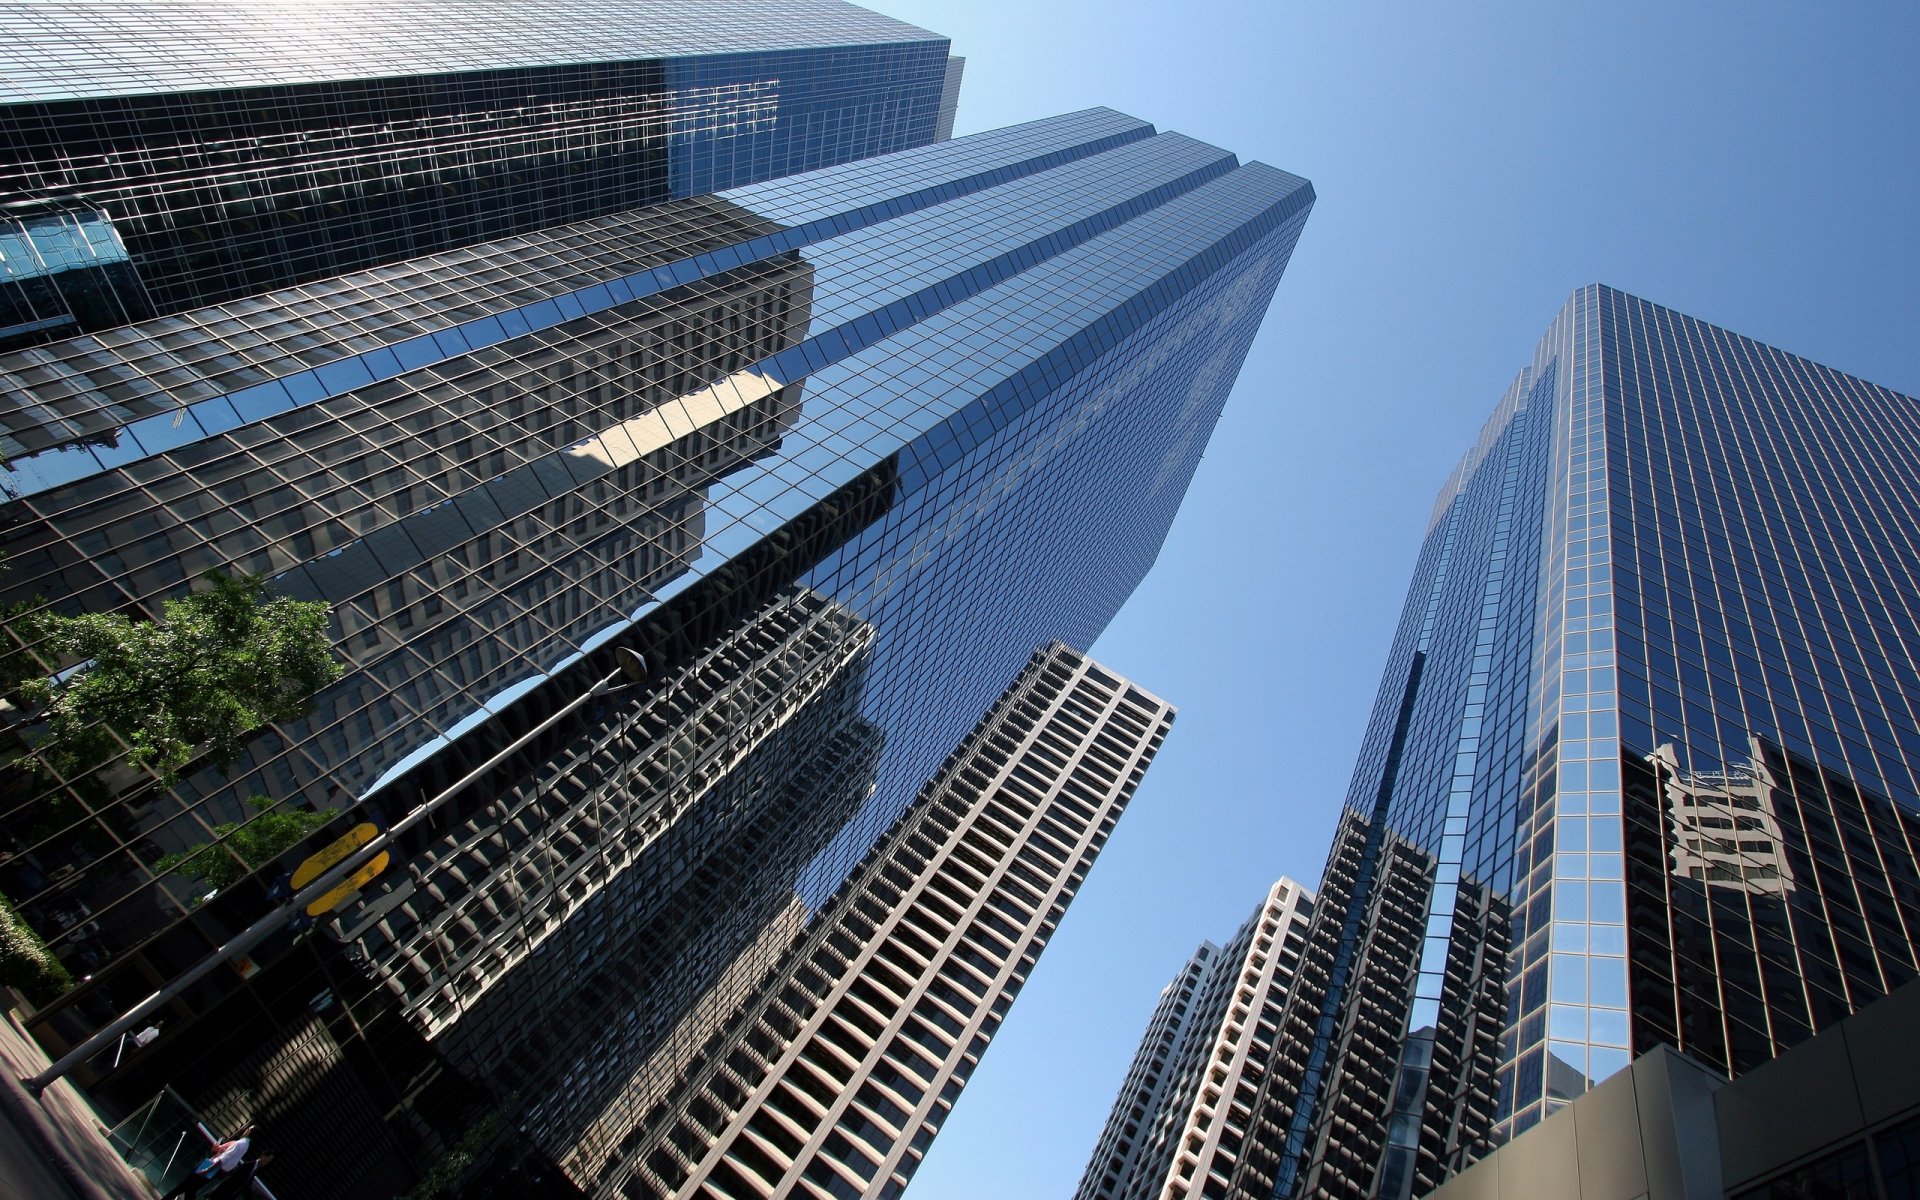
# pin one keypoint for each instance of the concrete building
(835, 1079)
(1183, 1114)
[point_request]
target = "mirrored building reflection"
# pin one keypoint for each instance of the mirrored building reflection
(171, 154)
(1724, 825)
(831, 452)
(1430, 1082)
(1649, 718)
(610, 916)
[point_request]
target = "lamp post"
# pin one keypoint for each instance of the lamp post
(632, 668)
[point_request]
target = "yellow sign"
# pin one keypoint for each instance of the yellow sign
(349, 887)
(318, 862)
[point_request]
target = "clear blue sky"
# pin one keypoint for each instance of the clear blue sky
(1756, 165)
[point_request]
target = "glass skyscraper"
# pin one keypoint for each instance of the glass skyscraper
(834, 452)
(1642, 765)
(169, 154)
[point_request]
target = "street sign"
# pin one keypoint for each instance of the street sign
(336, 852)
(317, 862)
(349, 887)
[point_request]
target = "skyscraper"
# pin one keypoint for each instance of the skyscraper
(1182, 1116)
(832, 452)
(838, 1074)
(170, 154)
(1641, 768)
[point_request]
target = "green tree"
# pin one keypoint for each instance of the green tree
(452, 1166)
(238, 849)
(15, 663)
(25, 961)
(217, 665)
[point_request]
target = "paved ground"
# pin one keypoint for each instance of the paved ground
(22, 1171)
(54, 1147)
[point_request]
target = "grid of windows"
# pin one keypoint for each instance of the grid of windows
(170, 155)
(869, 433)
(1144, 1092)
(70, 48)
(835, 1080)
(1769, 679)
(1649, 723)
(1182, 1117)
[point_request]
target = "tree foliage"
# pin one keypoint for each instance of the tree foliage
(25, 961)
(218, 664)
(452, 1166)
(239, 849)
(15, 663)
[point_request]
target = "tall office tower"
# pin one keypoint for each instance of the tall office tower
(831, 452)
(1640, 771)
(170, 154)
(1183, 1114)
(1149, 1078)
(837, 1076)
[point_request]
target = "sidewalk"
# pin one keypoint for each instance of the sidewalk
(54, 1146)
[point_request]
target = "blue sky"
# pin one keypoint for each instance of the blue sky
(1756, 165)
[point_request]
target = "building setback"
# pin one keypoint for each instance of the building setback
(1182, 1116)
(836, 1078)
(832, 452)
(1641, 771)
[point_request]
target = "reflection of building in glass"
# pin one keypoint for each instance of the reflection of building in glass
(665, 1073)
(1725, 832)
(875, 409)
(268, 149)
(586, 910)
(839, 1074)
(1737, 971)
(1183, 1113)
(61, 269)
(1647, 604)
(472, 523)
(1407, 1061)
(495, 887)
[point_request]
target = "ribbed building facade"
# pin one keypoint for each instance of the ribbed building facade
(1184, 1112)
(1642, 767)
(831, 451)
(1150, 1077)
(835, 1079)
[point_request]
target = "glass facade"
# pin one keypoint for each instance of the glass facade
(214, 151)
(833, 452)
(1641, 766)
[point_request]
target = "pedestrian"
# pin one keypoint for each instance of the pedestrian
(221, 1160)
(238, 1183)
